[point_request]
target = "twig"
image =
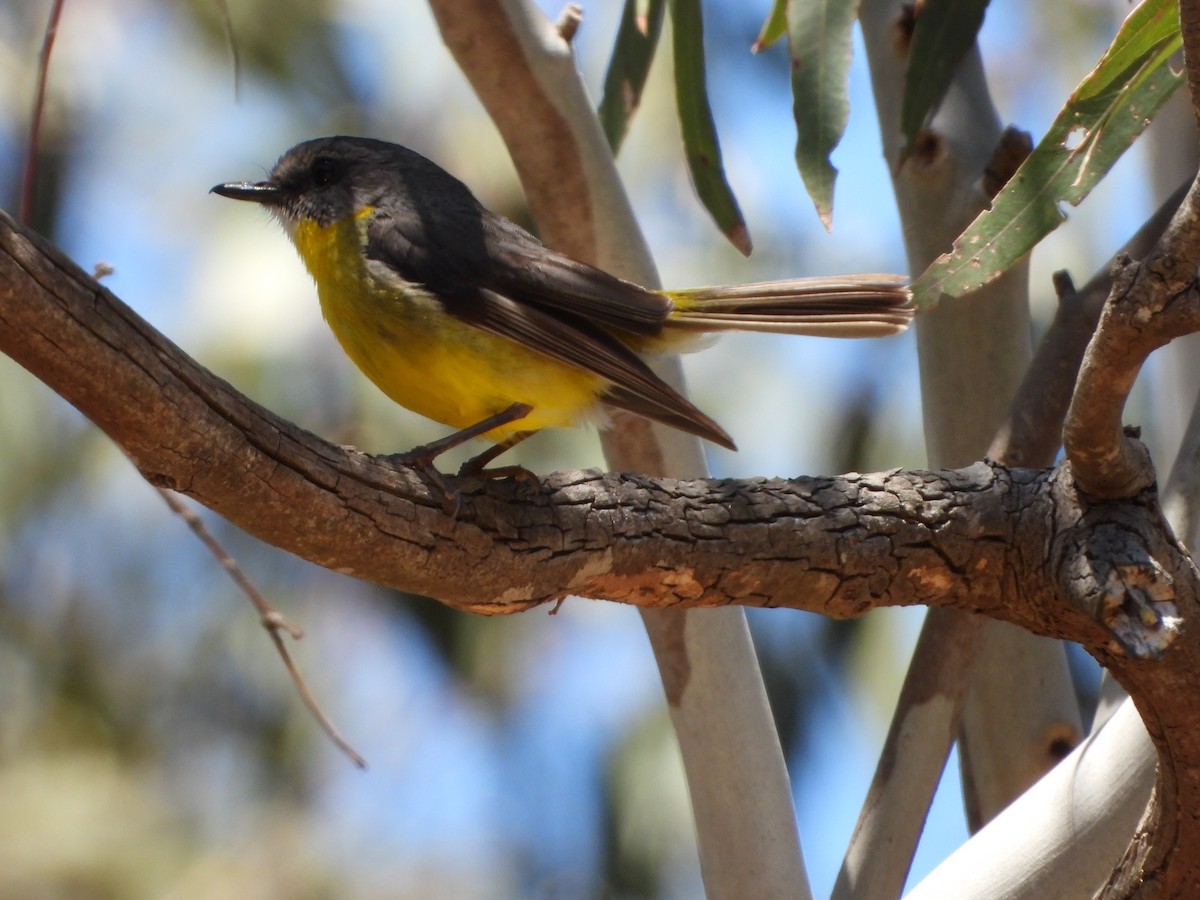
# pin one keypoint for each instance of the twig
(231, 40)
(1152, 303)
(271, 619)
(35, 122)
(1032, 433)
(923, 728)
(1181, 496)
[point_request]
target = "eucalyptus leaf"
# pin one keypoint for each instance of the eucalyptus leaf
(699, 131)
(1101, 119)
(819, 34)
(773, 28)
(944, 31)
(629, 66)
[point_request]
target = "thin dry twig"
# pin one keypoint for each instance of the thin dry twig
(1153, 301)
(231, 40)
(1032, 433)
(271, 619)
(39, 105)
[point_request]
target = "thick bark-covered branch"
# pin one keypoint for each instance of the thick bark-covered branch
(1011, 543)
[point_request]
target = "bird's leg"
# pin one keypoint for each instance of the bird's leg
(422, 457)
(476, 465)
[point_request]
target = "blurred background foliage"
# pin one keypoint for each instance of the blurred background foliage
(150, 742)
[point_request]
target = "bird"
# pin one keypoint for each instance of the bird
(463, 316)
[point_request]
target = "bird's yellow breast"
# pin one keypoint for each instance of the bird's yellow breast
(398, 333)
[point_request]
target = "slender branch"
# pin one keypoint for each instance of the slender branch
(1152, 303)
(29, 178)
(930, 703)
(1032, 433)
(272, 620)
(231, 41)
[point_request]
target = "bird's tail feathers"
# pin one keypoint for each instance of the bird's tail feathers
(849, 306)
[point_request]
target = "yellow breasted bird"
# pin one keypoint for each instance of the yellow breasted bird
(461, 315)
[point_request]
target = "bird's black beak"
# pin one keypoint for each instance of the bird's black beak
(263, 192)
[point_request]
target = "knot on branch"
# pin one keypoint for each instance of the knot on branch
(1109, 568)
(1138, 607)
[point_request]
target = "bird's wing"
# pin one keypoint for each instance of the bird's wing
(511, 306)
(490, 273)
(532, 272)
(449, 243)
(634, 386)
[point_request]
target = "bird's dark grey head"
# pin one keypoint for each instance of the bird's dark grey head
(330, 179)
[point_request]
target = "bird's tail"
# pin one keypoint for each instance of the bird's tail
(839, 306)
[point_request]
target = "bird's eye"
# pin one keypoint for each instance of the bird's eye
(325, 171)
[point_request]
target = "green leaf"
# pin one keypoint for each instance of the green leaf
(633, 52)
(1101, 119)
(699, 132)
(819, 33)
(1146, 28)
(773, 28)
(945, 30)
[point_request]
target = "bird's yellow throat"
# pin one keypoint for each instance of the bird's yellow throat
(424, 359)
(332, 253)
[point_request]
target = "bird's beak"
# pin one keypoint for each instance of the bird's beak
(263, 192)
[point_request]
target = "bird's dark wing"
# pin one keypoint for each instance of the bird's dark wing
(491, 273)
(635, 387)
(435, 233)
(532, 272)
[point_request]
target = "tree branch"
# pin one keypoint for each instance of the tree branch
(969, 538)
(1032, 433)
(1152, 303)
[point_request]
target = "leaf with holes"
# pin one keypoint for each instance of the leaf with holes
(1101, 119)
